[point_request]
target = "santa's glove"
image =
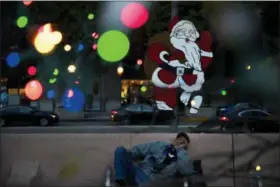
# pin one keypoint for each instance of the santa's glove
(158, 53)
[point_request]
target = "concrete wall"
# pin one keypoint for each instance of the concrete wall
(81, 159)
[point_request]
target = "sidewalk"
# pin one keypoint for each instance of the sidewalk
(106, 117)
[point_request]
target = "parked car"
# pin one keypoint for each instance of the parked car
(140, 113)
(247, 113)
(238, 126)
(236, 107)
(23, 115)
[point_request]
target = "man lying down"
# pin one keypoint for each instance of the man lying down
(154, 162)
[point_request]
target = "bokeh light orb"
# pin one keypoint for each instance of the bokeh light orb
(223, 92)
(56, 37)
(52, 81)
(32, 70)
(80, 47)
(70, 93)
(113, 46)
(71, 68)
(120, 70)
(22, 21)
(90, 16)
(134, 15)
(67, 47)
(44, 42)
(33, 90)
(74, 103)
(46, 28)
(143, 88)
(96, 36)
(13, 59)
(51, 94)
(139, 62)
(55, 72)
(94, 46)
(93, 34)
(27, 3)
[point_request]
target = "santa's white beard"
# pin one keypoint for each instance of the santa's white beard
(188, 48)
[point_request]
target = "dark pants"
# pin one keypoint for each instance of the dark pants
(126, 170)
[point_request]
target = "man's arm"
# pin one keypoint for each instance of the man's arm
(185, 164)
(141, 150)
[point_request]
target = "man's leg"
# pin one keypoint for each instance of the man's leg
(122, 163)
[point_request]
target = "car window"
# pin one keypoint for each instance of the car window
(133, 108)
(241, 106)
(254, 106)
(146, 108)
(25, 110)
(259, 113)
(11, 109)
(263, 126)
(246, 114)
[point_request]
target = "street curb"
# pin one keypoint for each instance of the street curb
(195, 119)
(82, 120)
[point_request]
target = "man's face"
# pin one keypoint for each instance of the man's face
(181, 142)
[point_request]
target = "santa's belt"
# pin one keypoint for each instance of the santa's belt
(179, 71)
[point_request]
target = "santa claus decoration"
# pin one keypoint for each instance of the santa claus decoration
(175, 60)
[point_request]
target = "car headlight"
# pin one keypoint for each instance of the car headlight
(53, 116)
(222, 109)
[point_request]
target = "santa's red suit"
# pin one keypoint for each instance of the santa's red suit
(171, 74)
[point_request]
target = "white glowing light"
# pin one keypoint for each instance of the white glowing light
(71, 69)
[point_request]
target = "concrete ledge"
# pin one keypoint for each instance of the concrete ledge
(81, 159)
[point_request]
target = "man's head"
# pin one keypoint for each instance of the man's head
(182, 140)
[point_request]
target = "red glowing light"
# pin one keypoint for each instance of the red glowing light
(94, 46)
(134, 15)
(139, 62)
(33, 90)
(27, 3)
(93, 34)
(232, 81)
(96, 36)
(32, 70)
(77, 82)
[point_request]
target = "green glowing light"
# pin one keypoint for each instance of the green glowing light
(90, 16)
(52, 81)
(55, 72)
(113, 46)
(224, 92)
(22, 21)
(143, 88)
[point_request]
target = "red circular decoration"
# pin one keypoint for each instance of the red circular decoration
(139, 62)
(134, 15)
(32, 70)
(27, 3)
(33, 90)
